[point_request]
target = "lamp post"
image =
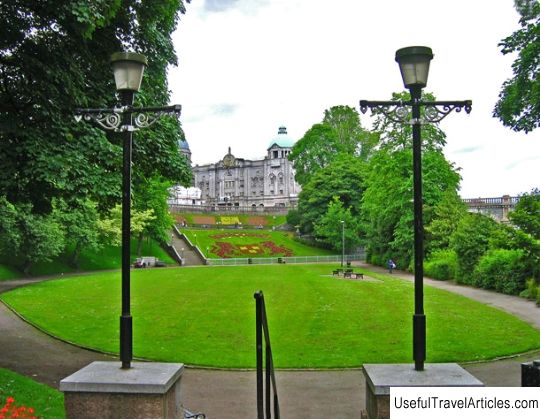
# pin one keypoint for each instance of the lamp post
(342, 241)
(414, 66)
(128, 69)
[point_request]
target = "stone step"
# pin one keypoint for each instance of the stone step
(189, 256)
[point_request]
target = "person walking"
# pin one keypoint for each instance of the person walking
(391, 265)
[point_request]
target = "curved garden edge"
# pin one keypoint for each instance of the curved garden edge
(193, 365)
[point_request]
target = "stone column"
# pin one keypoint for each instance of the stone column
(381, 377)
(147, 390)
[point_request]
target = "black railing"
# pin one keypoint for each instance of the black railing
(264, 391)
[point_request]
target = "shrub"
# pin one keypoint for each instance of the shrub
(441, 265)
(502, 270)
(470, 241)
(531, 290)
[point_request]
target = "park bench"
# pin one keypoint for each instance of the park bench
(353, 275)
(337, 272)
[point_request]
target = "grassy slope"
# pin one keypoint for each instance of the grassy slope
(271, 220)
(203, 239)
(107, 258)
(46, 401)
(205, 316)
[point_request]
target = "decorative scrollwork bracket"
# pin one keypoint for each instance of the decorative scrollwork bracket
(112, 119)
(399, 111)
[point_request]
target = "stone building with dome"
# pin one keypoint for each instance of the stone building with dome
(237, 182)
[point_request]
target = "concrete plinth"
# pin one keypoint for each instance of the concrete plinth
(380, 377)
(148, 390)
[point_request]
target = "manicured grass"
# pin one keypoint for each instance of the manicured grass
(109, 257)
(46, 401)
(206, 316)
(250, 243)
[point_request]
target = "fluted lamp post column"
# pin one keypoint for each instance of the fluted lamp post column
(414, 66)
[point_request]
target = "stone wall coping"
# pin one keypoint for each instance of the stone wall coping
(109, 377)
(380, 377)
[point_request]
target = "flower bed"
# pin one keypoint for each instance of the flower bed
(227, 250)
(229, 220)
(230, 235)
(10, 410)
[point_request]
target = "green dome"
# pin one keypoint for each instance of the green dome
(282, 139)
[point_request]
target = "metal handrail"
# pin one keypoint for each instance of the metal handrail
(264, 409)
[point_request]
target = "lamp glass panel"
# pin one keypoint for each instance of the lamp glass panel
(128, 75)
(414, 71)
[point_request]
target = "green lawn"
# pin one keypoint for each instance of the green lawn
(46, 401)
(206, 316)
(250, 243)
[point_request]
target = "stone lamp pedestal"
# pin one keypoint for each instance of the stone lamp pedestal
(380, 377)
(148, 390)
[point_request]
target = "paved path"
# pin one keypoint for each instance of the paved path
(231, 394)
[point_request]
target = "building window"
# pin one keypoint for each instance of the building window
(275, 154)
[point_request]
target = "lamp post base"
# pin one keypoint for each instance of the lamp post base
(148, 390)
(380, 377)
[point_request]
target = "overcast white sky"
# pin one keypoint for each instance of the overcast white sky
(248, 66)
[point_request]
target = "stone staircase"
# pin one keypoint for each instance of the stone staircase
(186, 252)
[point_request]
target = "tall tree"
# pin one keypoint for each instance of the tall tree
(470, 241)
(54, 57)
(387, 207)
(342, 179)
(518, 106)
(340, 132)
(338, 227)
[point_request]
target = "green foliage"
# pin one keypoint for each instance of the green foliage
(387, 207)
(526, 214)
(342, 178)
(338, 227)
(470, 241)
(110, 227)
(441, 265)
(293, 217)
(314, 151)
(446, 216)
(339, 133)
(80, 227)
(54, 57)
(531, 289)
(397, 135)
(42, 237)
(46, 401)
(10, 235)
(519, 100)
(501, 270)
(151, 199)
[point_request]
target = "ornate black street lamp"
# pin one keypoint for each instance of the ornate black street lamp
(128, 68)
(414, 66)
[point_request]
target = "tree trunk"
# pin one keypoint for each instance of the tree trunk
(75, 256)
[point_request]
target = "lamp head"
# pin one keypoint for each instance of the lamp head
(128, 69)
(414, 65)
